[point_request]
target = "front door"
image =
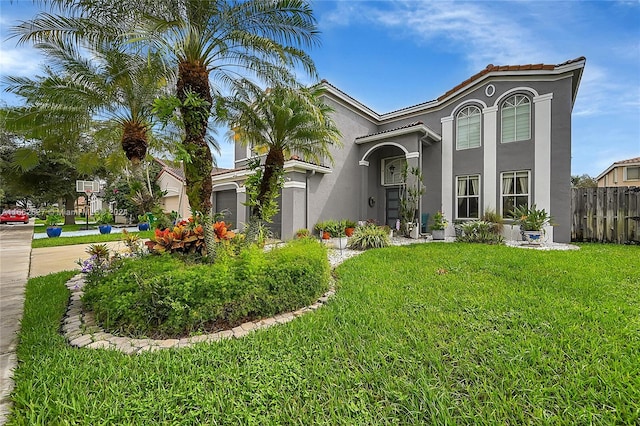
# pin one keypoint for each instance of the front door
(393, 207)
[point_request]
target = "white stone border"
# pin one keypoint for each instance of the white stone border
(81, 331)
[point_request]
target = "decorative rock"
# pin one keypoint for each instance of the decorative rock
(100, 344)
(81, 341)
(226, 334)
(167, 343)
(248, 326)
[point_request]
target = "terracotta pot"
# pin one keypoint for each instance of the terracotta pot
(349, 231)
(325, 235)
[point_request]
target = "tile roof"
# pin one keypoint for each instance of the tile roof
(628, 161)
(406, 126)
(170, 167)
(178, 172)
(498, 68)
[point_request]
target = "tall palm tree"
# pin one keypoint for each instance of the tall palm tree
(115, 87)
(206, 40)
(215, 41)
(282, 121)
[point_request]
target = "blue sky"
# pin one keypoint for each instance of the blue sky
(393, 54)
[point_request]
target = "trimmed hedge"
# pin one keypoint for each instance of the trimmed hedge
(162, 296)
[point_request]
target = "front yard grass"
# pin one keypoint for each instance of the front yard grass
(85, 239)
(423, 334)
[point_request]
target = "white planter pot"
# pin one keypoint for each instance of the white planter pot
(339, 243)
(533, 237)
(437, 234)
(415, 232)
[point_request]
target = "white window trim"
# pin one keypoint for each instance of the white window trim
(626, 177)
(467, 107)
(502, 119)
(479, 196)
(383, 163)
(502, 194)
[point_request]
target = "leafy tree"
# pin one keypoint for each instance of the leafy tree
(47, 172)
(282, 122)
(583, 181)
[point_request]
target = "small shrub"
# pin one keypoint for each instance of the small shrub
(53, 219)
(302, 233)
(103, 217)
(159, 296)
(479, 231)
(369, 236)
(496, 220)
(187, 237)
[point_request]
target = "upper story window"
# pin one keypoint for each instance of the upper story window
(392, 170)
(632, 173)
(468, 128)
(516, 119)
(515, 191)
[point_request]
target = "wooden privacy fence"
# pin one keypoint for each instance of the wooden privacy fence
(609, 215)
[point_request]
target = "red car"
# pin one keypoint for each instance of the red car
(14, 216)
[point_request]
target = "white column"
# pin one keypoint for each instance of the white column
(447, 170)
(489, 165)
(241, 209)
(542, 155)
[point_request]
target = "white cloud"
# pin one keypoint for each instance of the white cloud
(20, 61)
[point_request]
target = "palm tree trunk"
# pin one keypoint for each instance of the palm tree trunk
(194, 77)
(272, 165)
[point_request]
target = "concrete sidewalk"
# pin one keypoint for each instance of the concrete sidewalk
(48, 260)
(15, 250)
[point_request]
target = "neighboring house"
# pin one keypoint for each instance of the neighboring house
(501, 138)
(621, 173)
(171, 180)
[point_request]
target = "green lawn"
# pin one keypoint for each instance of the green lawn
(85, 239)
(423, 334)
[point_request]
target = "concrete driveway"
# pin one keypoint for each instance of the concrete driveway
(15, 254)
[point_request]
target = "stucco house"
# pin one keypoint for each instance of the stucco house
(499, 139)
(171, 180)
(621, 173)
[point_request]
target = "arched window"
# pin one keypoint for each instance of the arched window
(468, 128)
(516, 119)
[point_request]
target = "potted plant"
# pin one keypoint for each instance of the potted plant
(52, 220)
(302, 233)
(103, 219)
(349, 227)
(438, 227)
(532, 222)
(143, 222)
(338, 234)
(321, 228)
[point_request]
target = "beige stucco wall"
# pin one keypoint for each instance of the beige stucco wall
(176, 198)
(615, 177)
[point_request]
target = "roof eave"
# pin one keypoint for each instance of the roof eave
(400, 132)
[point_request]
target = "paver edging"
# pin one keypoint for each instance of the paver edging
(81, 331)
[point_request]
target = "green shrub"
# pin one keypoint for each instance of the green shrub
(479, 231)
(369, 236)
(164, 296)
(103, 217)
(496, 220)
